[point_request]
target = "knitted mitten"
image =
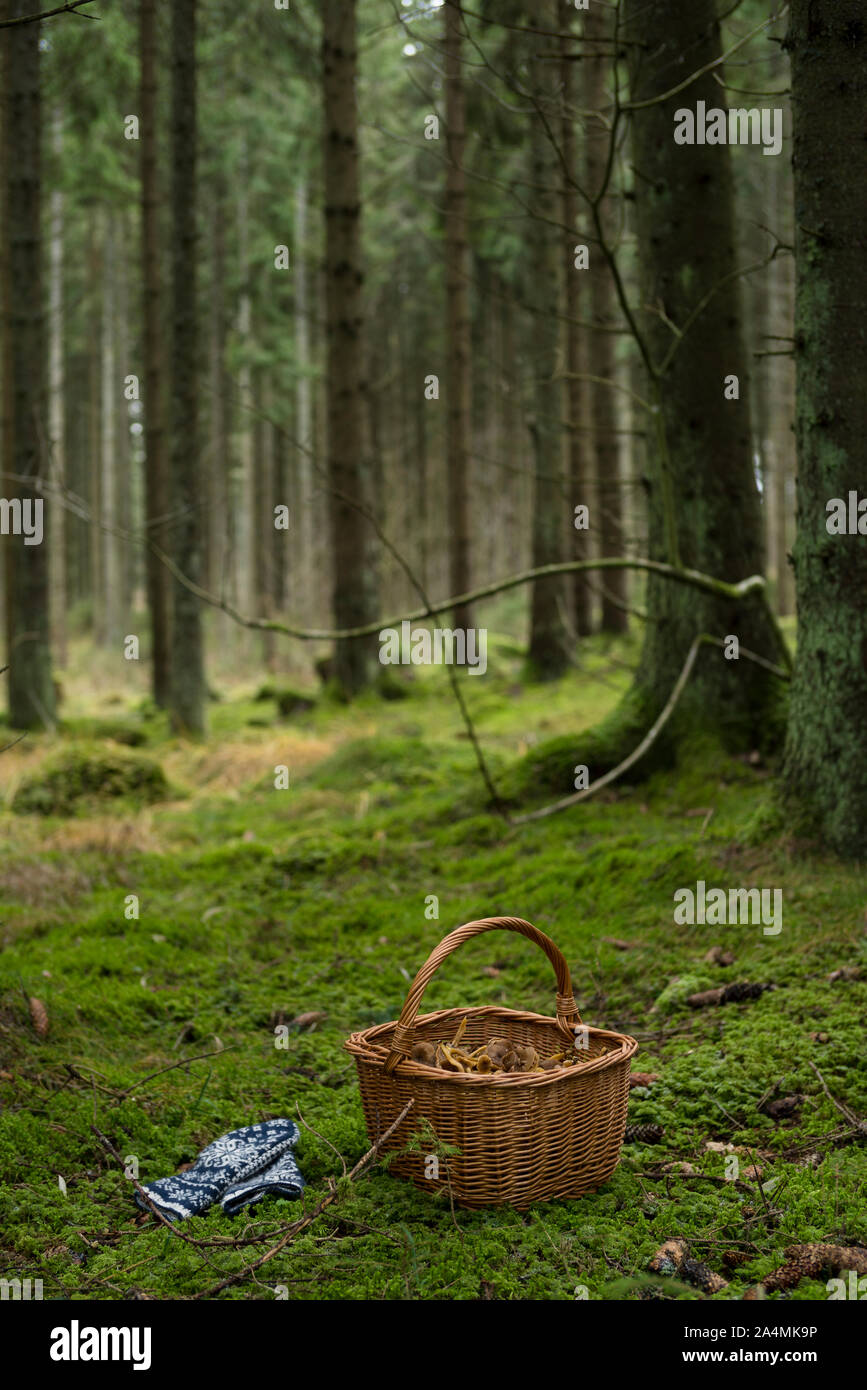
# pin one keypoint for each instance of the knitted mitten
(282, 1179)
(229, 1161)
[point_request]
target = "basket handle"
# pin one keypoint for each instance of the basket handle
(567, 1013)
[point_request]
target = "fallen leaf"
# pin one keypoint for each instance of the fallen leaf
(642, 1078)
(783, 1108)
(309, 1019)
(717, 956)
(39, 1017)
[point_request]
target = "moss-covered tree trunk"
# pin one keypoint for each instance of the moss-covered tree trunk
(826, 748)
(28, 619)
(353, 591)
(703, 502)
(188, 691)
(546, 245)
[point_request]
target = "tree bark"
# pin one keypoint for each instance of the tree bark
(353, 596)
(156, 488)
(303, 522)
(579, 471)
(703, 501)
(56, 407)
(548, 652)
(28, 616)
(458, 329)
(825, 765)
(108, 631)
(188, 690)
(609, 484)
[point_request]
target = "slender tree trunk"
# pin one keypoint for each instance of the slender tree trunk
(28, 616)
(156, 488)
(93, 542)
(826, 748)
(579, 463)
(603, 353)
(303, 524)
(458, 332)
(56, 409)
(353, 596)
(782, 396)
(284, 497)
(108, 631)
(704, 504)
(548, 650)
(218, 473)
(188, 676)
(123, 482)
(245, 554)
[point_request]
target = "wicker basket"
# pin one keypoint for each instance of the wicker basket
(523, 1137)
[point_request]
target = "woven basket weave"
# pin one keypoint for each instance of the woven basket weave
(523, 1137)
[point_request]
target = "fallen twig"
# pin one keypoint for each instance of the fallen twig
(298, 1226)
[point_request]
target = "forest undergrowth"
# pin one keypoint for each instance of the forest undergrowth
(305, 907)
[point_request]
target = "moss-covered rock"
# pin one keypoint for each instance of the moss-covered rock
(86, 774)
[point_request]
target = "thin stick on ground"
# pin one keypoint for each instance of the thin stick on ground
(164, 1220)
(860, 1125)
(301, 1225)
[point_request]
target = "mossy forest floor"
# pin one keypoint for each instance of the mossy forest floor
(258, 905)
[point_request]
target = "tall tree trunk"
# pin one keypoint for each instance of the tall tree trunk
(703, 499)
(245, 529)
(93, 539)
(108, 631)
(28, 616)
(579, 463)
(548, 651)
(156, 487)
(826, 748)
(218, 472)
(353, 598)
(188, 690)
(605, 317)
(56, 410)
(123, 481)
(782, 390)
(458, 332)
(303, 523)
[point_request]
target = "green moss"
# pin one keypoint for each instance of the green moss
(325, 910)
(91, 774)
(549, 768)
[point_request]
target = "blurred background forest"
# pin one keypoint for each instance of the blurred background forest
(456, 297)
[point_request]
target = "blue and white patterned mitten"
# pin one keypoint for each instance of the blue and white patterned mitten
(228, 1162)
(282, 1179)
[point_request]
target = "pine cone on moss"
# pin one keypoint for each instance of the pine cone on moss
(703, 1278)
(643, 1134)
(815, 1261)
